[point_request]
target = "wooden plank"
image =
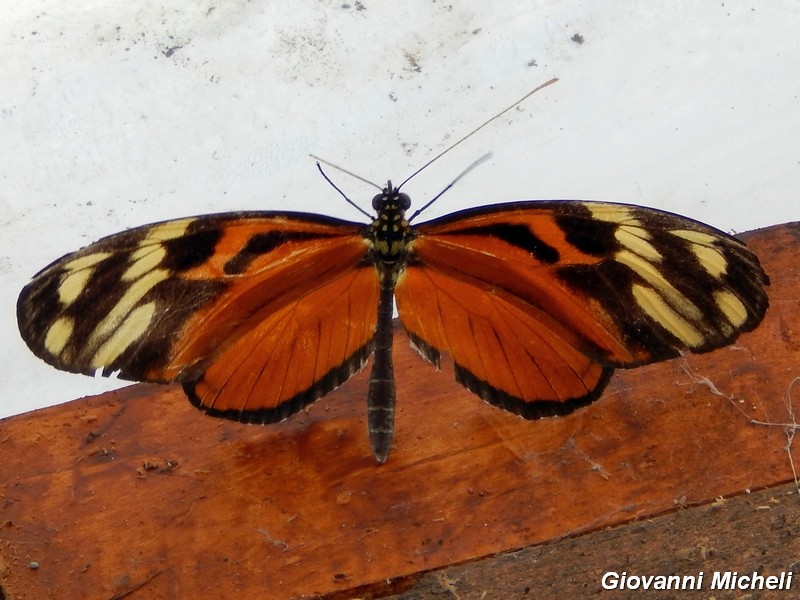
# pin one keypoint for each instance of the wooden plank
(137, 494)
(748, 533)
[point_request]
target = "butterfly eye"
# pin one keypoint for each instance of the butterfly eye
(378, 201)
(404, 201)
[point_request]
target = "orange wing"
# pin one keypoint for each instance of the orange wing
(257, 314)
(538, 302)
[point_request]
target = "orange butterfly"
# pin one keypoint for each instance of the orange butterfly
(258, 314)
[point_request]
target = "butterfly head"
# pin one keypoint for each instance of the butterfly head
(391, 199)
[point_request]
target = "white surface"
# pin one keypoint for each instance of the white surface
(689, 106)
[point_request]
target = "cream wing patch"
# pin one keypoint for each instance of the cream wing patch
(655, 294)
(703, 246)
(73, 282)
(126, 306)
(72, 285)
(636, 239)
(731, 306)
(666, 316)
(128, 319)
(143, 261)
(659, 285)
(169, 230)
(58, 335)
(78, 272)
(128, 331)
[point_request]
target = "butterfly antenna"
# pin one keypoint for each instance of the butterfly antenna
(473, 132)
(336, 187)
(343, 170)
(483, 158)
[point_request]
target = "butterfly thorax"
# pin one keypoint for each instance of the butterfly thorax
(390, 233)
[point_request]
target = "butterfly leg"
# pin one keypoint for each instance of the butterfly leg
(381, 396)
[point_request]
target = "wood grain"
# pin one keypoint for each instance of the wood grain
(136, 494)
(746, 533)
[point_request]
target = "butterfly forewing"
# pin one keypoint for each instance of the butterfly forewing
(202, 299)
(537, 302)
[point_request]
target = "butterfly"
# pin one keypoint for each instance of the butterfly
(258, 314)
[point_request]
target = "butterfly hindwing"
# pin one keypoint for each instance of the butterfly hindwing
(287, 355)
(502, 350)
(197, 301)
(538, 302)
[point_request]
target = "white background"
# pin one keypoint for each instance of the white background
(117, 114)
